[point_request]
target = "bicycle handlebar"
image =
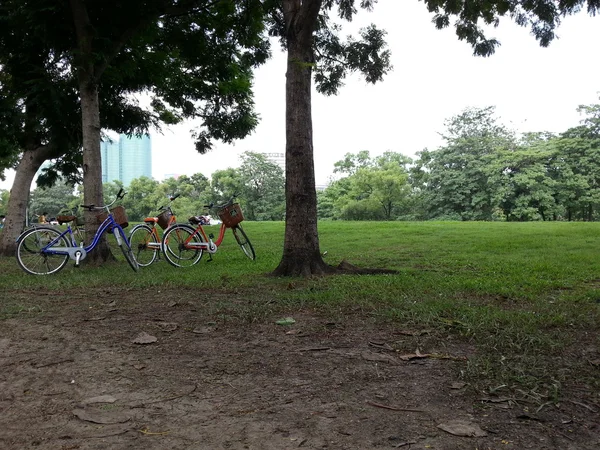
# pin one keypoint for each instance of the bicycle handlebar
(171, 198)
(229, 203)
(119, 196)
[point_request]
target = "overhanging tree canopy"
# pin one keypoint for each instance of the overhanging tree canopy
(195, 57)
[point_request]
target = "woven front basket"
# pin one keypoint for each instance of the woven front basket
(163, 219)
(231, 215)
(118, 214)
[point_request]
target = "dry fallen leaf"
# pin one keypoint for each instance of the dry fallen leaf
(203, 330)
(103, 417)
(144, 338)
(167, 326)
(462, 428)
(100, 399)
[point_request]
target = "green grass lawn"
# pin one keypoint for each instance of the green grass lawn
(525, 295)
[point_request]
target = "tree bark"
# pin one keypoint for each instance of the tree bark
(92, 166)
(90, 119)
(301, 254)
(16, 212)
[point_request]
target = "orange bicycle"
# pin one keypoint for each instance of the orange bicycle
(144, 238)
(183, 245)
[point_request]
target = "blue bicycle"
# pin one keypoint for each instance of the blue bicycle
(45, 250)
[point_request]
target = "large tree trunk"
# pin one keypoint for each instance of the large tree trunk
(16, 212)
(92, 166)
(90, 118)
(301, 254)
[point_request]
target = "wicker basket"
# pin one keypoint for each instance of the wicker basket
(164, 218)
(231, 215)
(118, 214)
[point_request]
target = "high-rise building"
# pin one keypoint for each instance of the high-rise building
(109, 152)
(126, 160)
(136, 157)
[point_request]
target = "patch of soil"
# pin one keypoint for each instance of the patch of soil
(73, 378)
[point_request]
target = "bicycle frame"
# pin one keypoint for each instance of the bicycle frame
(152, 224)
(79, 252)
(208, 244)
(152, 221)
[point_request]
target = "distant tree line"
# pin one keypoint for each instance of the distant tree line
(484, 171)
(258, 182)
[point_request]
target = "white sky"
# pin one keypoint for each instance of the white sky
(435, 77)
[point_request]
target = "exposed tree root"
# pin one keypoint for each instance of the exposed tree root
(297, 267)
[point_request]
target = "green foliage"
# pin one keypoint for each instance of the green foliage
(331, 58)
(262, 188)
(4, 195)
(542, 16)
(258, 183)
(375, 188)
(52, 200)
(485, 173)
(455, 178)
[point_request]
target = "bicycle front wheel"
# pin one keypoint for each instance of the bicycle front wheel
(243, 241)
(126, 248)
(32, 255)
(176, 245)
(144, 245)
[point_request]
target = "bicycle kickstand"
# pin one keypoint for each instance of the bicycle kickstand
(209, 258)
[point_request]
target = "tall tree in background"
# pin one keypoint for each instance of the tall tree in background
(579, 149)
(375, 188)
(456, 178)
(263, 187)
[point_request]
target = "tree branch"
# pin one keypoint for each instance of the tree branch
(166, 10)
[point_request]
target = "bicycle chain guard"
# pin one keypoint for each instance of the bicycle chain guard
(73, 252)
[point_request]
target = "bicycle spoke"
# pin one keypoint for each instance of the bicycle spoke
(31, 255)
(141, 238)
(176, 248)
(243, 241)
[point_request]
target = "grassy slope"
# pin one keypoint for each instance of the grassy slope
(524, 294)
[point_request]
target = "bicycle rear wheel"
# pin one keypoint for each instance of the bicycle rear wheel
(144, 245)
(175, 245)
(32, 257)
(126, 248)
(243, 241)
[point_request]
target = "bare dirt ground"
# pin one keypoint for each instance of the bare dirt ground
(72, 377)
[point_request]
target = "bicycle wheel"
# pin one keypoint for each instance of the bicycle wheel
(31, 255)
(126, 249)
(243, 241)
(139, 239)
(175, 248)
